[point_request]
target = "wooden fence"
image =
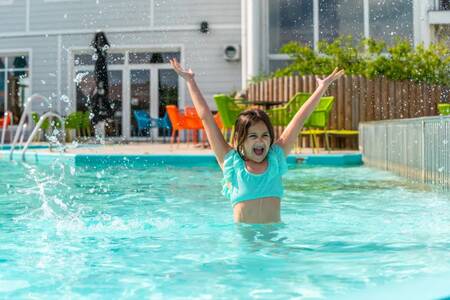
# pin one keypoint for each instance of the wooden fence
(357, 99)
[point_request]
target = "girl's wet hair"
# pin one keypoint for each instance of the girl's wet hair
(246, 119)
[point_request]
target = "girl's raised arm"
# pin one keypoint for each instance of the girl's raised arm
(215, 137)
(290, 134)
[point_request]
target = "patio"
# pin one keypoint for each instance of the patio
(159, 148)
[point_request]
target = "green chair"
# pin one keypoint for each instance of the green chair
(444, 109)
(321, 114)
(229, 111)
(317, 122)
(281, 116)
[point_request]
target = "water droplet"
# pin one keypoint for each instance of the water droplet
(65, 98)
(43, 82)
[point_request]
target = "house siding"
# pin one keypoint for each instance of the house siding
(13, 17)
(195, 11)
(88, 14)
(128, 22)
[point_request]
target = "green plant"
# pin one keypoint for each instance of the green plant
(370, 58)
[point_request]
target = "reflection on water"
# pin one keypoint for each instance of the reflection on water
(167, 230)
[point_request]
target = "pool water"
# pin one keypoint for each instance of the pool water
(166, 232)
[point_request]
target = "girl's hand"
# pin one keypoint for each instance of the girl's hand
(186, 74)
(330, 78)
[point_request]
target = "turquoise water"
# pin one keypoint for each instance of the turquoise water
(166, 232)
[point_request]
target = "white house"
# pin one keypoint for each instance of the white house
(45, 45)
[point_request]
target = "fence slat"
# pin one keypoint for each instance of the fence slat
(358, 99)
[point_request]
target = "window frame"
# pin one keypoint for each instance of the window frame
(316, 23)
(6, 54)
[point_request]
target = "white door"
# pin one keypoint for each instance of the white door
(140, 83)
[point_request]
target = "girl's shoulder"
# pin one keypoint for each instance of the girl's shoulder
(278, 158)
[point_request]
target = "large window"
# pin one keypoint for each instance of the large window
(391, 19)
(14, 83)
(292, 20)
(341, 17)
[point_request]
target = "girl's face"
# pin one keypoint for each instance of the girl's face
(257, 142)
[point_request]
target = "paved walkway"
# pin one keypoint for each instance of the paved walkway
(157, 148)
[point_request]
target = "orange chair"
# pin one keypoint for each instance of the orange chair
(181, 122)
(218, 121)
(193, 121)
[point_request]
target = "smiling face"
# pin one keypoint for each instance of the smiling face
(257, 142)
(253, 135)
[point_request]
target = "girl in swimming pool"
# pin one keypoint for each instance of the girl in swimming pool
(253, 170)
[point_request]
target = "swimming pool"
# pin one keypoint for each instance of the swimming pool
(166, 232)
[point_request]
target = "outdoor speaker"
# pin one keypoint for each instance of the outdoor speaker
(232, 52)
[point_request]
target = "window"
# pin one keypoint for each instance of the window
(290, 20)
(341, 17)
(152, 57)
(14, 83)
(444, 4)
(391, 19)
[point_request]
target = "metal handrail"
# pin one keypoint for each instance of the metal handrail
(22, 125)
(5, 120)
(38, 125)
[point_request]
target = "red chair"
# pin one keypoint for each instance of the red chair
(182, 122)
(8, 119)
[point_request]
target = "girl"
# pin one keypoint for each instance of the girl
(252, 172)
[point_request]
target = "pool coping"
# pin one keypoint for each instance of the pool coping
(344, 159)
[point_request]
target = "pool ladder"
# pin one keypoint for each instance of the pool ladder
(22, 125)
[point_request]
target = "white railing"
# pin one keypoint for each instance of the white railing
(20, 132)
(415, 148)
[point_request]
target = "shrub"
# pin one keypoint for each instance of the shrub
(369, 58)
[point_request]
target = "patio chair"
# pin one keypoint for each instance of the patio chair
(229, 110)
(181, 122)
(143, 122)
(444, 109)
(6, 121)
(192, 114)
(339, 133)
(317, 122)
(281, 116)
(164, 124)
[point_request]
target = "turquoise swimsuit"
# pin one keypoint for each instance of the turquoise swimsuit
(241, 185)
